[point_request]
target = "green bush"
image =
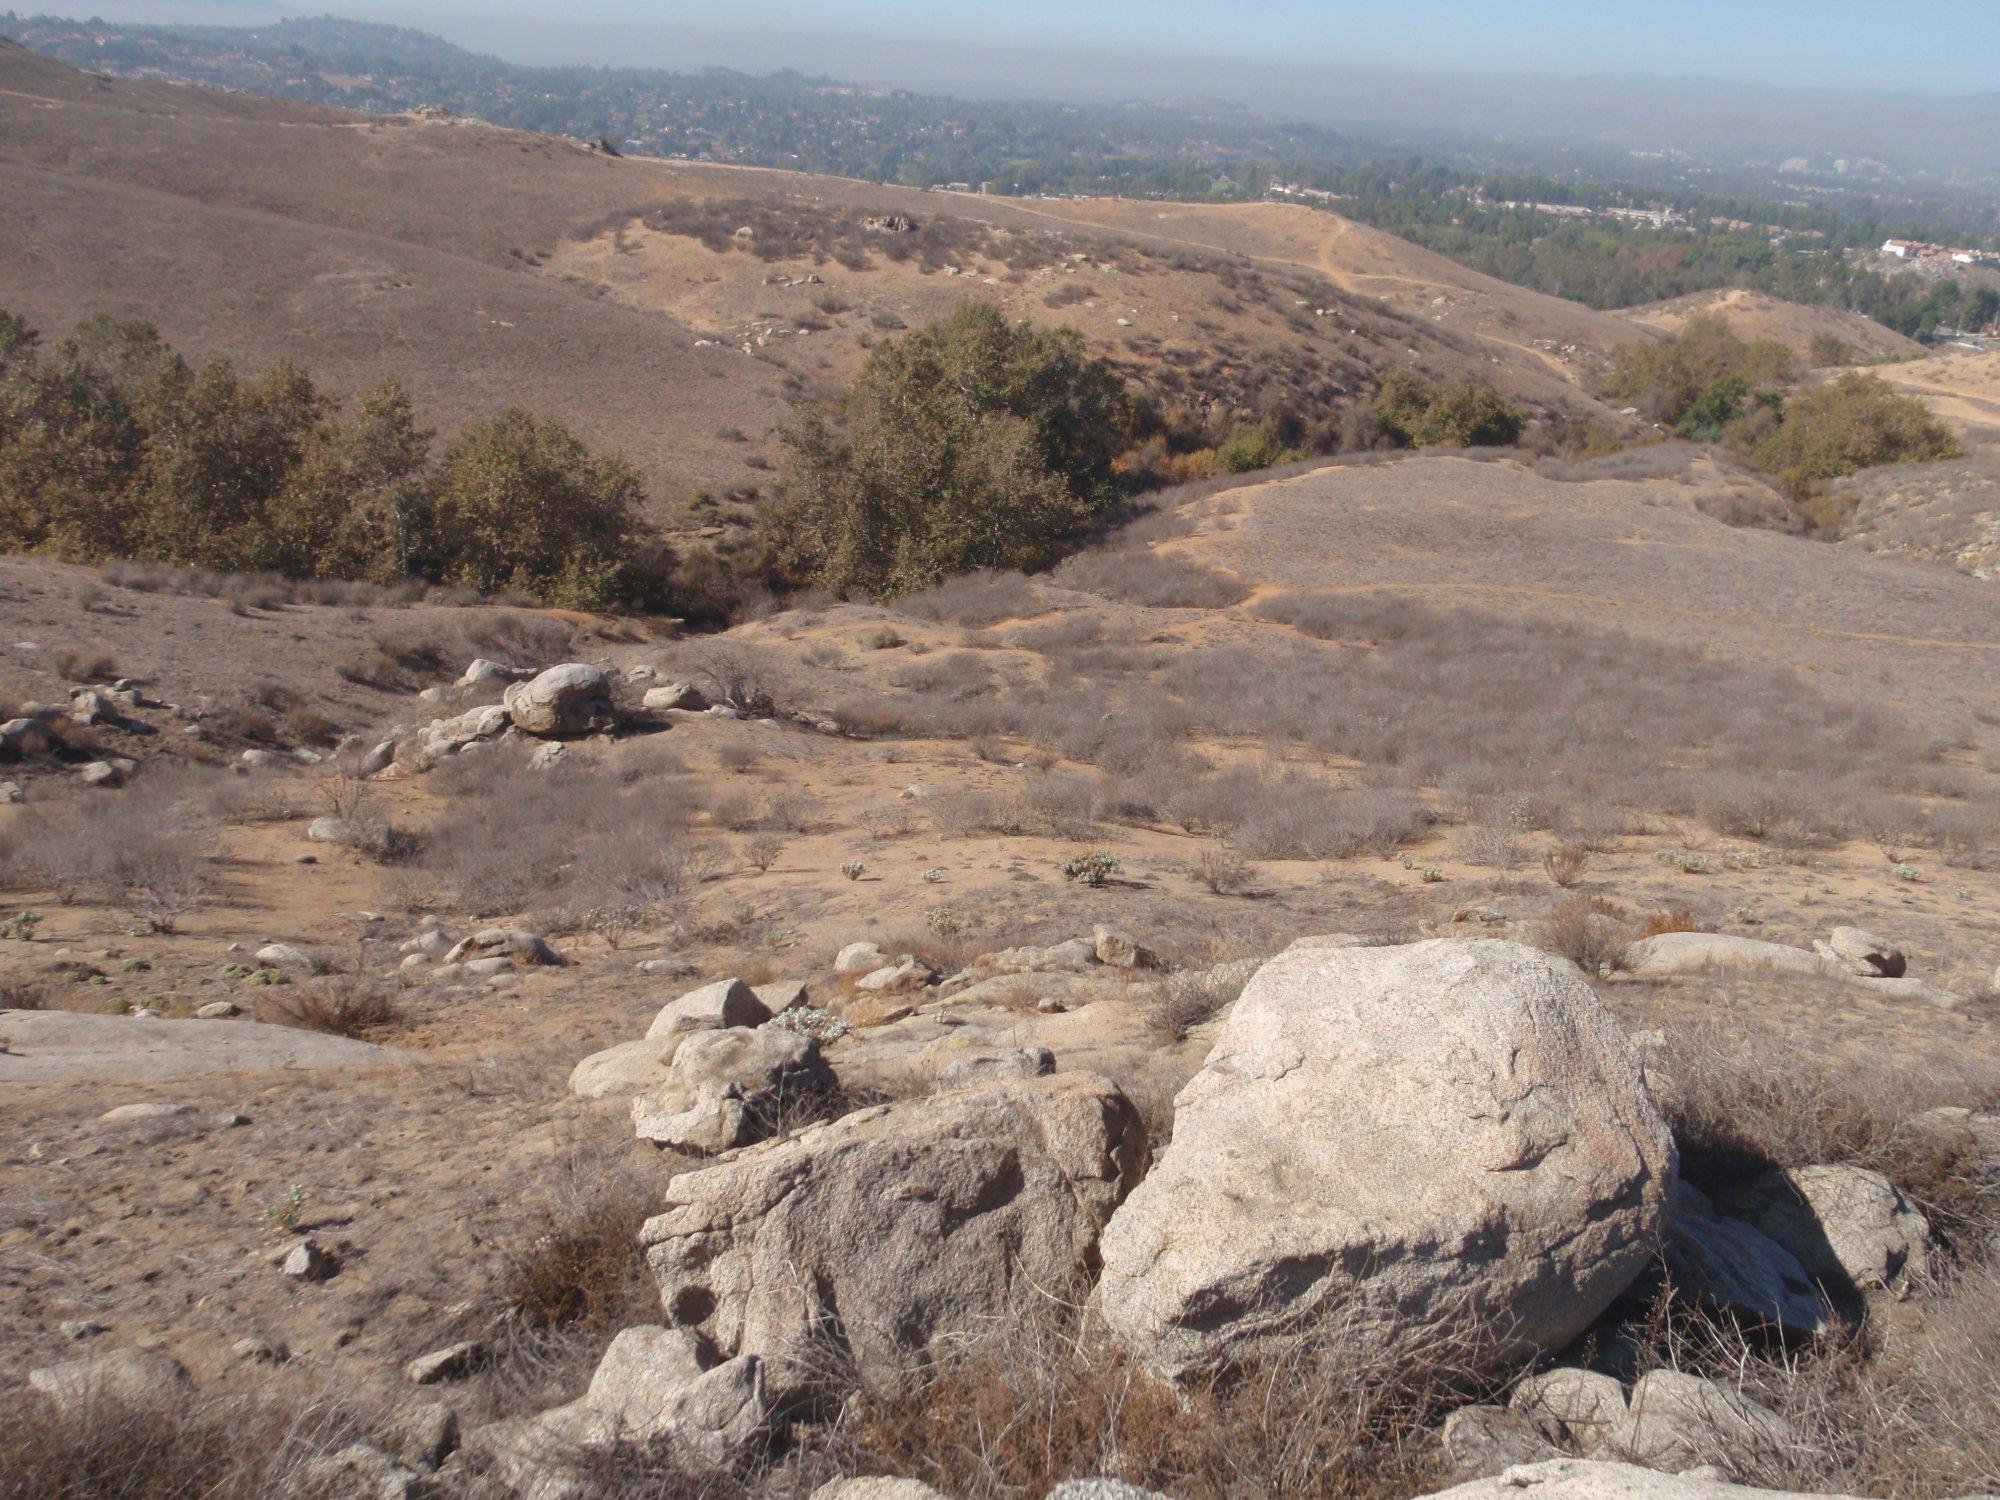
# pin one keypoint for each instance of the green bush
(1696, 381)
(114, 446)
(1252, 448)
(1855, 422)
(1464, 414)
(972, 443)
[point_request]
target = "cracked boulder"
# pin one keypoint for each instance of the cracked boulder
(856, 1246)
(1446, 1146)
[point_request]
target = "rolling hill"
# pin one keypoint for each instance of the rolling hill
(488, 266)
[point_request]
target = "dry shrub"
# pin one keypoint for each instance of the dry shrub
(577, 1265)
(975, 600)
(1587, 930)
(346, 1005)
(1184, 999)
(1565, 864)
(1152, 578)
(1680, 918)
(175, 1447)
(1219, 870)
(145, 849)
(1041, 1396)
(1740, 1108)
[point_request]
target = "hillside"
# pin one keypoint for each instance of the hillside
(1758, 315)
(488, 266)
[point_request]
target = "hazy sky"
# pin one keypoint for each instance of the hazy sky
(1937, 46)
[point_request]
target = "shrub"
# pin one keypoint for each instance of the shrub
(1184, 999)
(340, 1005)
(1705, 366)
(1466, 414)
(972, 443)
(1092, 868)
(1565, 864)
(1855, 422)
(1586, 930)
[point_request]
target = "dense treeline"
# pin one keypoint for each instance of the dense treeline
(114, 446)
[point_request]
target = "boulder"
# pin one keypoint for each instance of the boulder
(628, 1068)
(528, 949)
(1585, 1479)
(20, 737)
(675, 695)
(1446, 1141)
(1120, 949)
(1695, 952)
(721, 1084)
(727, 1002)
(1487, 1439)
(286, 956)
(1847, 1226)
(858, 958)
(378, 759)
(448, 736)
(992, 1066)
(89, 706)
(574, 698)
(1576, 1406)
(127, 1377)
(783, 995)
(1736, 1268)
(858, 1243)
(1861, 952)
(553, 754)
(481, 672)
(1675, 1421)
(906, 973)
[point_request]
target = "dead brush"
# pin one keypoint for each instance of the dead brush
(1589, 931)
(1182, 1000)
(1041, 1395)
(348, 1005)
(1738, 1109)
(174, 1446)
(1565, 864)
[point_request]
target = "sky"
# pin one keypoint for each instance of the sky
(1942, 46)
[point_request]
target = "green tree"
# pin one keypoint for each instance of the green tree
(972, 443)
(1464, 414)
(521, 504)
(358, 504)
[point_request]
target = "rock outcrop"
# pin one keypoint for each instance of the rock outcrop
(721, 1085)
(574, 698)
(1445, 1141)
(858, 1243)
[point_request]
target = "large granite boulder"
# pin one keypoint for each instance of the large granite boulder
(574, 698)
(1443, 1142)
(856, 1245)
(722, 1086)
(1849, 1227)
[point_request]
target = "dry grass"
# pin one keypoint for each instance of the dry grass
(1587, 930)
(1183, 1000)
(209, 1447)
(1041, 1396)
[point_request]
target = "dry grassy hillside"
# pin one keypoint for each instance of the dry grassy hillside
(1402, 700)
(1758, 315)
(487, 265)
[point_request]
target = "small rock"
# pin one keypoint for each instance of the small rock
(858, 958)
(126, 1113)
(363, 1472)
(683, 695)
(259, 759)
(259, 1351)
(328, 830)
(10, 794)
(99, 773)
(1848, 1226)
(129, 1377)
(307, 1261)
(725, 1003)
(79, 1329)
(1120, 950)
(231, 1119)
(428, 1435)
(218, 1010)
(453, 1362)
(1861, 952)
(551, 754)
(1675, 1421)
(991, 1067)
(906, 973)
